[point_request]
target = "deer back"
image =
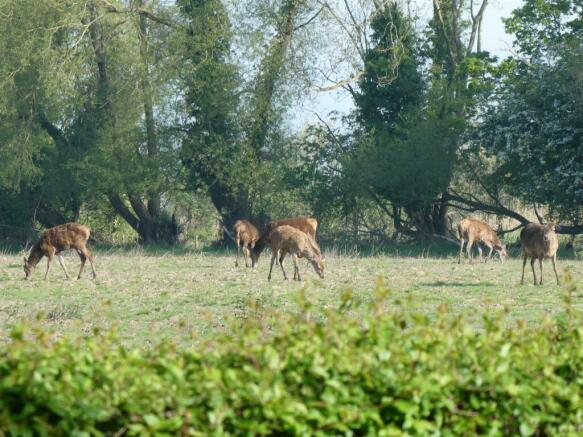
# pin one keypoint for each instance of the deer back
(63, 237)
(246, 231)
(307, 225)
(477, 230)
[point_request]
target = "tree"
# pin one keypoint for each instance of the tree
(82, 120)
(534, 129)
(230, 139)
(407, 152)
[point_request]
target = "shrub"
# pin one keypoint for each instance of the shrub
(296, 374)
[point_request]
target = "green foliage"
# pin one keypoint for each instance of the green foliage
(534, 128)
(213, 151)
(306, 373)
(392, 86)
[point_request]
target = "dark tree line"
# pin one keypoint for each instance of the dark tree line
(123, 107)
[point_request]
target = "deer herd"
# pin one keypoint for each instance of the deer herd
(297, 237)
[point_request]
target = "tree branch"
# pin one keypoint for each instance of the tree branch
(437, 6)
(310, 20)
(119, 206)
(476, 205)
(476, 22)
(111, 8)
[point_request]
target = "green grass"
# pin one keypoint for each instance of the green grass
(150, 295)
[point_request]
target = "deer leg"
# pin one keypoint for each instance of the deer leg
(554, 259)
(532, 265)
(281, 258)
(87, 255)
(273, 256)
(49, 259)
(469, 249)
(489, 253)
(281, 264)
(238, 249)
(83, 259)
(277, 256)
(462, 241)
(296, 268)
(246, 255)
(480, 253)
(524, 258)
(62, 262)
(540, 261)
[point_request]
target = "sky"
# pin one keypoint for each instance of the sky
(494, 39)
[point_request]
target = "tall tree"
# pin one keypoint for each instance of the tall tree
(533, 128)
(228, 142)
(77, 77)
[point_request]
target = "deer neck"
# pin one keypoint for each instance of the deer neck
(36, 255)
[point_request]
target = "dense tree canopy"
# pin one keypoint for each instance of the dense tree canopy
(535, 128)
(135, 113)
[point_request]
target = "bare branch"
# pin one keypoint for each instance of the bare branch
(476, 25)
(111, 8)
(470, 203)
(342, 83)
(448, 43)
(354, 38)
(310, 20)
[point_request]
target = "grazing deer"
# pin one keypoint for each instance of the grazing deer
(288, 240)
(307, 225)
(246, 235)
(539, 241)
(55, 240)
(472, 230)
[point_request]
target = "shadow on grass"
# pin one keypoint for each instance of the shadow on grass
(456, 284)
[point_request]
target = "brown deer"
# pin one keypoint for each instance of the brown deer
(288, 240)
(55, 240)
(471, 230)
(539, 241)
(307, 225)
(246, 235)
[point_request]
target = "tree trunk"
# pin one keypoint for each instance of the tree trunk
(154, 203)
(429, 220)
(270, 72)
(147, 220)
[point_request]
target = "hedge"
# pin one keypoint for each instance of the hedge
(387, 374)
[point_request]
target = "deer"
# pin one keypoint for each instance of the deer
(246, 235)
(286, 240)
(55, 240)
(307, 225)
(539, 241)
(472, 230)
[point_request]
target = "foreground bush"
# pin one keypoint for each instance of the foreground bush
(389, 374)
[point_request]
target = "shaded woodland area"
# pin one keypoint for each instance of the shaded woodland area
(154, 120)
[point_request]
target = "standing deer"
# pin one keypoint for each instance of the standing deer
(307, 225)
(472, 230)
(288, 240)
(539, 241)
(246, 235)
(55, 240)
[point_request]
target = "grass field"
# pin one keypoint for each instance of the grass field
(185, 296)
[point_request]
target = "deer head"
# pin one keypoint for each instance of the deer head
(548, 231)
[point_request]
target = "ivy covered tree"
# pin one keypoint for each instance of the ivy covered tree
(534, 130)
(81, 89)
(233, 136)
